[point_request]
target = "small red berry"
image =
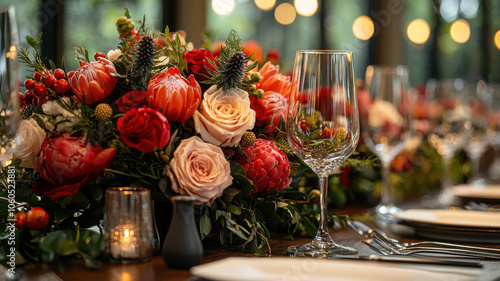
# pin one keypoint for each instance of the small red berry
(327, 132)
(49, 80)
(29, 83)
(20, 220)
(37, 76)
(59, 73)
(40, 90)
(28, 96)
(42, 101)
(99, 55)
(61, 86)
(36, 218)
(303, 126)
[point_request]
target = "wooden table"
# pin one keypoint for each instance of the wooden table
(157, 270)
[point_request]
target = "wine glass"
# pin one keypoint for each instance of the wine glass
(9, 85)
(478, 101)
(323, 129)
(387, 126)
(447, 129)
(494, 130)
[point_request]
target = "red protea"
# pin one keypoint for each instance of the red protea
(94, 81)
(273, 81)
(174, 95)
(268, 167)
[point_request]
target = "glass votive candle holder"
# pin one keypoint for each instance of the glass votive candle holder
(128, 224)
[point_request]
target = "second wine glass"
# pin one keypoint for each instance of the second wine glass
(387, 127)
(323, 129)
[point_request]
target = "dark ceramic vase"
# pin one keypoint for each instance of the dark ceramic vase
(182, 247)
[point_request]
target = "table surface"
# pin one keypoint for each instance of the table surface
(157, 270)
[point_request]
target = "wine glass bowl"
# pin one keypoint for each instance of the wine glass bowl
(323, 129)
(386, 126)
(447, 129)
(9, 85)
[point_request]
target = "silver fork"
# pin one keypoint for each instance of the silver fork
(388, 250)
(396, 247)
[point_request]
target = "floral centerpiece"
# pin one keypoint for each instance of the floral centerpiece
(160, 114)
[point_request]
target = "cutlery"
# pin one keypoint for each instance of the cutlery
(437, 261)
(397, 247)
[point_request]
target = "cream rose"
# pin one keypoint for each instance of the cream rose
(224, 116)
(32, 137)
(199, 169)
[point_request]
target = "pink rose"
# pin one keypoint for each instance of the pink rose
(199, 169)
(224, 116)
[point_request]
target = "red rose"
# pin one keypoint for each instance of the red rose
(132, 99)
(197, 60)
(260, 111)
(144, 129)
(66, 164)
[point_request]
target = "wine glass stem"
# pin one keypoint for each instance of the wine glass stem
(447, 183)
(323, 218)
(474, 159)
(387, 194)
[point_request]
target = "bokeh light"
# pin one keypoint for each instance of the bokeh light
(363, 28)
(285, 13)
(306, 8)
(265, 5)
(460, 31)
(418, 31)
(223, 7)
(496, 39)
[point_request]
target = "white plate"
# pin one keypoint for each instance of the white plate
(453, 225)
(277, 269)
(469, 192)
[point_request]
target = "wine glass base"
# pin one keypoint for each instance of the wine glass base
(387, 210)
(313, 250)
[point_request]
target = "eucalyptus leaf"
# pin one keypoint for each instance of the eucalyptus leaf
(268, 211)
(237, 232)
(60, 242)
(32, 42)
(96, 192)
(233, 209)
(310, 228)
(90, 243)
(205, 224)
(229, 194)
(62, 214)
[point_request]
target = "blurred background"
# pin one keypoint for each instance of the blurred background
(436, 39)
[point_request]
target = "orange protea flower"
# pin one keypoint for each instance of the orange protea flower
(252, 47)
(94, 81)
(177, 97)
(273, 81)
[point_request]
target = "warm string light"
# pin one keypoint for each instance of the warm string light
(223, 7)
(285, 13)
(418, 31)
(460, 31)
(363, 28)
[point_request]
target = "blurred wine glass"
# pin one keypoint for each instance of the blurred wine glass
(386, 127)
(9, 85)
(448, 115)
(494, 130)
(323, 129)
(477, 100)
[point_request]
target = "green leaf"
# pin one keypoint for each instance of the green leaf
(229, 194)
(90, 243)
(310, 228)
(127, 13)
(205, 224)
(233, 209)
(76, 201)
(96, 192)
(237, 232)
(268, 211)
(32, 42)
(62, 214)
(60, 242)
(236, 168)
